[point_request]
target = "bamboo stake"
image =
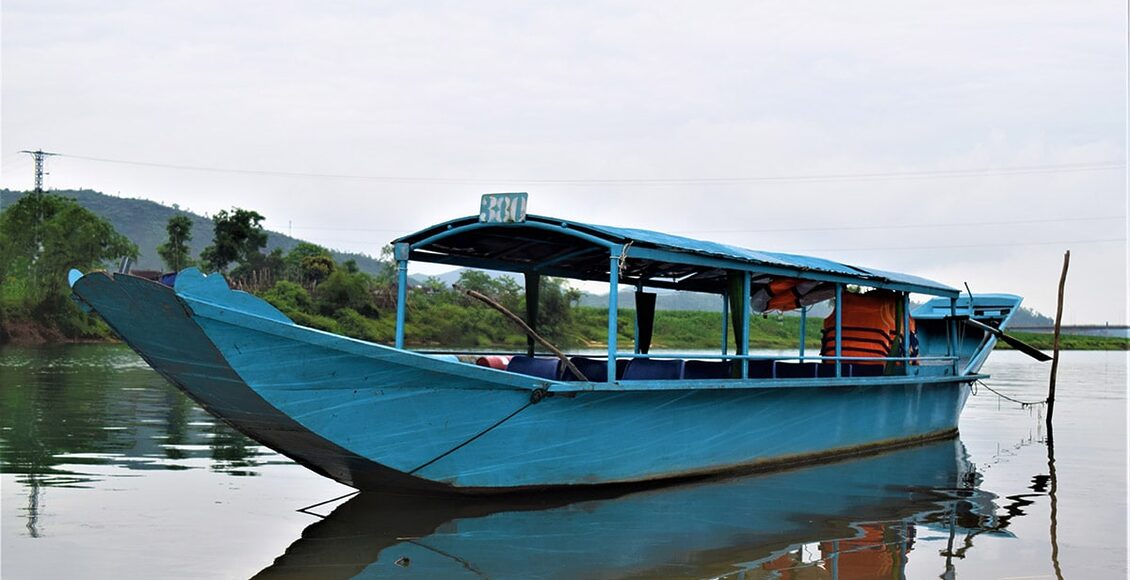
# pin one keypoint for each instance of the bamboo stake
(518, 320)
(1053, 526)
(1055, 339)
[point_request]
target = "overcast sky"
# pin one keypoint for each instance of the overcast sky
(964, 141)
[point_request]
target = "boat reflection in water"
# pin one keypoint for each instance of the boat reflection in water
(851, 519)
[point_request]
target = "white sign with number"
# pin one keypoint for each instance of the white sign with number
(503, 208)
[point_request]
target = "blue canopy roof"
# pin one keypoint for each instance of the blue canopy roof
(577, 250)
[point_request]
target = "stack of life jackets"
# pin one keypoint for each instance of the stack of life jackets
(871, 325)
(785, 294)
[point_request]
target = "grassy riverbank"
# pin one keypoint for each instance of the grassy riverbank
(693, 330)
(1070, 342)
(64, 323)
(674, 330)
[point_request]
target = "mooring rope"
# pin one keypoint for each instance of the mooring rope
(480, 434)
(1024, 404)
(306, 510)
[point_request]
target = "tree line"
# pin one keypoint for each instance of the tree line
(43, 236)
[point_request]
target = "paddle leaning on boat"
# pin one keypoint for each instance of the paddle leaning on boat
(387, 417)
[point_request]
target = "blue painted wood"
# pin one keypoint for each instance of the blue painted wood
(636, 326)
(176, 347)
(936, 335)
(803, 328)
(401, 300)
(839, 329)
(376, 416)
(953, 330)
(648, 244)
(725, 322)
(923, 287)
(613, 306)
(743, 346)
(554, 226)
(191, 282)
(384, 418)
(906, 325)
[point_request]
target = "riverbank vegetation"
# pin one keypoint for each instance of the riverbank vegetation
(1043, 341)
(42, 236)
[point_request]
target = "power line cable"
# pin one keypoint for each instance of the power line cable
(870, 249)
(800, 229)
(907, 226)
(1019, 170)
(962, 246)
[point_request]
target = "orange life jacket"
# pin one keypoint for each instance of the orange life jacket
(786, 294)
(874, 555)
(869, 326)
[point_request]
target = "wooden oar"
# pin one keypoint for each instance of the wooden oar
(522, 323)
(1011, 341)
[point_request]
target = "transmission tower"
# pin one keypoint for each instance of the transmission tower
(39, 156)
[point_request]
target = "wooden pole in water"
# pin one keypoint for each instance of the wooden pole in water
(1055, 337)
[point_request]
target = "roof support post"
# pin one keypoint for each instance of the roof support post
(400, 252)
(613, 306)
(839, 329)
(906, 330)
(636, 330)
(952, 330)
(744, 344)
(803, 328)
(725, 321)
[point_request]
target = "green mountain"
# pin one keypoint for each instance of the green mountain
(143, 222)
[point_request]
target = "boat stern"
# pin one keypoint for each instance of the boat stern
(973, 345)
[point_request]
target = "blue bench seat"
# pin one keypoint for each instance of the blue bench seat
(546, 368)
(654, 369)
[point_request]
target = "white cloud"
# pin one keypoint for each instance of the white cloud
(605, 90)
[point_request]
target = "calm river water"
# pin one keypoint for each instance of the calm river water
(108, 472)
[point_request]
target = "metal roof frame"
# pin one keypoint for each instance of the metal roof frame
(467, 241)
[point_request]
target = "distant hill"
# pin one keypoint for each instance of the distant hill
(1029, 317)
(143, 222)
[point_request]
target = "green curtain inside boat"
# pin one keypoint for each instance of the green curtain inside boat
(896, 367)
(645, 319)
(734, 291)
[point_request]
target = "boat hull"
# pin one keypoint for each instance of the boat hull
(375, 417)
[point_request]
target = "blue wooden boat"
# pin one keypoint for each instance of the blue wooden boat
(386, 417)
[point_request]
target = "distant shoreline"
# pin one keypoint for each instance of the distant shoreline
(30, 333)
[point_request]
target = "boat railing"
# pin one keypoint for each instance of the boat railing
(705, 356)
(908, 363)
(755, 366)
